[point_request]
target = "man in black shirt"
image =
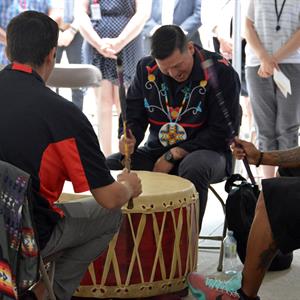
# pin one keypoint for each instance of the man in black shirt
(49, 138)
(173, 93)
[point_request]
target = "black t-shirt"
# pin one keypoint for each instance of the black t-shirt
(49, 138)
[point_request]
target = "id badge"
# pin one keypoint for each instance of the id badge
(95, 11)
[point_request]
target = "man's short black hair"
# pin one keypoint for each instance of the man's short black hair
(166, 40)
(30, 37)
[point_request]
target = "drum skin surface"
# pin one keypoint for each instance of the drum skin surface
(156, 246)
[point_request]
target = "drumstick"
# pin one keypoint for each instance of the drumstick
(208, 65)
(122, 95)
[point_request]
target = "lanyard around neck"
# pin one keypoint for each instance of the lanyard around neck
(278, 15)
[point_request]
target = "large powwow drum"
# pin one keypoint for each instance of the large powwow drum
(156, 246)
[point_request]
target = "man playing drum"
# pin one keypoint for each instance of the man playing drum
(50, 138)
(172, 93)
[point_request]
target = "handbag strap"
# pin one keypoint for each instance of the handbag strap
(249, 172)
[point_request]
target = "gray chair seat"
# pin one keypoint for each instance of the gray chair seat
(74, 76)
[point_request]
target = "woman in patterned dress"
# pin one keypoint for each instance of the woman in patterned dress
(110, 27)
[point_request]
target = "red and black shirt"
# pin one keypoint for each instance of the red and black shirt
(49, 138)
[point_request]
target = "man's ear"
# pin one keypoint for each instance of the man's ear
(52, 55)
(54, 50)
(7, 54)
(191, 47)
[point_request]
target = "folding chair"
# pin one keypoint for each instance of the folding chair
(48, 274)
(74, 76)
(217, 237)
(18, 244)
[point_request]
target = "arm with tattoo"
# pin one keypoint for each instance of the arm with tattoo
(283, 158)
(267, 256)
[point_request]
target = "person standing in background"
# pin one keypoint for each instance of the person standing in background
(172, 95)
(273, 42)
(223, 43)
(112, 27)
(70, 40)
(184, 13)
(11, 8)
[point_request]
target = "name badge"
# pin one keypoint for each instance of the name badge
(95, 11)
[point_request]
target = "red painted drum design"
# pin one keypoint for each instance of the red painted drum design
(156, 246)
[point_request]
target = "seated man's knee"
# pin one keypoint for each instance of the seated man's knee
(108, 220)
(194, 166)
(116, 219)
(187, 170)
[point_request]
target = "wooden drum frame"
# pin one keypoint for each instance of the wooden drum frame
(156, 246)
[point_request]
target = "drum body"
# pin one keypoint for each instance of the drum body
(156, 246)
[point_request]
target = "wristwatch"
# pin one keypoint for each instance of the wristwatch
(168, 156)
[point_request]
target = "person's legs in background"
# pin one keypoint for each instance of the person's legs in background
(262, 96)
(288, 110)
(249, 131)
(74, 55)
(105, 99)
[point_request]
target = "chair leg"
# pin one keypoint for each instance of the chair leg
(220, 237)
(218, 197)
(47, 280)
(221, 255)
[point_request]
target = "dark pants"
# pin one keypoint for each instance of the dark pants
(73, 52)
(201, 167)
(80, 240)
